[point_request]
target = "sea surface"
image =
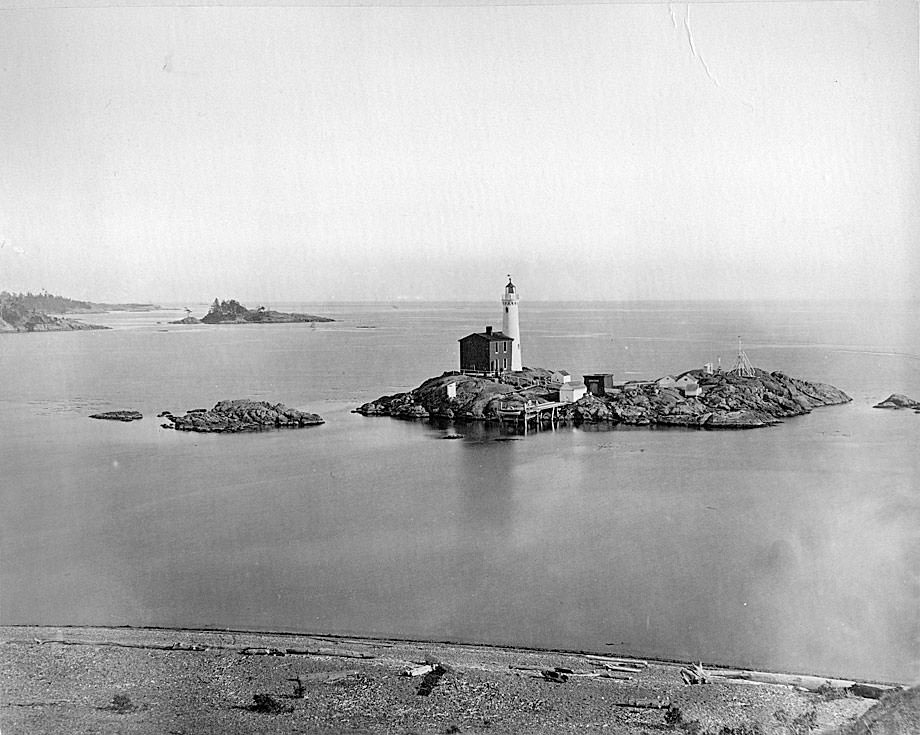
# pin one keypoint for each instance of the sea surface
(794, 548)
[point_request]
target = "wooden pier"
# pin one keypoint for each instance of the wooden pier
(531, 412)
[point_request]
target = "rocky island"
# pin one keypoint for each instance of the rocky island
(27, 313)
(241, 415)
(233, 312)
(898, 401)
(719, 400)
(50, 303)
(118, 416)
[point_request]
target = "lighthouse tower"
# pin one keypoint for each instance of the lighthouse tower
(510, 325)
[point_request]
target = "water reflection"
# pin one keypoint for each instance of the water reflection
(789, 548)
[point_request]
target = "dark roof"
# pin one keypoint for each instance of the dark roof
(493, 337)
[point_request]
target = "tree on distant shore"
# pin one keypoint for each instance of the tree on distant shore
(43, 302)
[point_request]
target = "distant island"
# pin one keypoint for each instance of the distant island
(28, 313)
(697, 399)
(233, 312)
(48, 303)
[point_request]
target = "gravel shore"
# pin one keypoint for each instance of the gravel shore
(129, 680)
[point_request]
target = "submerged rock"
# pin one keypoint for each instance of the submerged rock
(243, 415)
(118, 415)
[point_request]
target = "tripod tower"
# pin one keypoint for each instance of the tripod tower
(742, 365)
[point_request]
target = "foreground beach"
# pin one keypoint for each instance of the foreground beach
(83, 680)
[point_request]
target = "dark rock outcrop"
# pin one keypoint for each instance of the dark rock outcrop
(119, 415)
(28, 312)
(726, 400)
(242, 415)
(898, 400)
(187, 320)
(233, 312)
(35, 322)
(474, 398)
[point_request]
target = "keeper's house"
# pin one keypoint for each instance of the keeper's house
(485, 352)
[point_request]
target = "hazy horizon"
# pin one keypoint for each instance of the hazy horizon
(254, 300)
(604, 152)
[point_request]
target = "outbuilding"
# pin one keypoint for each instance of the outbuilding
(560, 377)
(691, 389)
(688, 384)
(571, 392)
(599, 383)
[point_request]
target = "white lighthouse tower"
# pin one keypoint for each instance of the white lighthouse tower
(511, 327)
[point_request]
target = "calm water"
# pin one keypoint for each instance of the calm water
(791, 548)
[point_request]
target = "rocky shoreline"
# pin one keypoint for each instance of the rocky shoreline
(144, 680)
(897, 401)
(723, 400)
(46, 323)
(241, 415)
(28, 312)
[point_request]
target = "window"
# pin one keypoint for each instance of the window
(504, 346)
(506, 309)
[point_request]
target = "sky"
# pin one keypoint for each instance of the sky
(732, 150)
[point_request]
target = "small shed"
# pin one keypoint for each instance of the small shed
(598, 383)
(691, 389)
(561, 377)
(571, 392)
(451, 390)
(667, 381)
(684, 380)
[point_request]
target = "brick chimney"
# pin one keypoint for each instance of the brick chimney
(488, 331)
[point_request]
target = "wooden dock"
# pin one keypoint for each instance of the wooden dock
(530, 412)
